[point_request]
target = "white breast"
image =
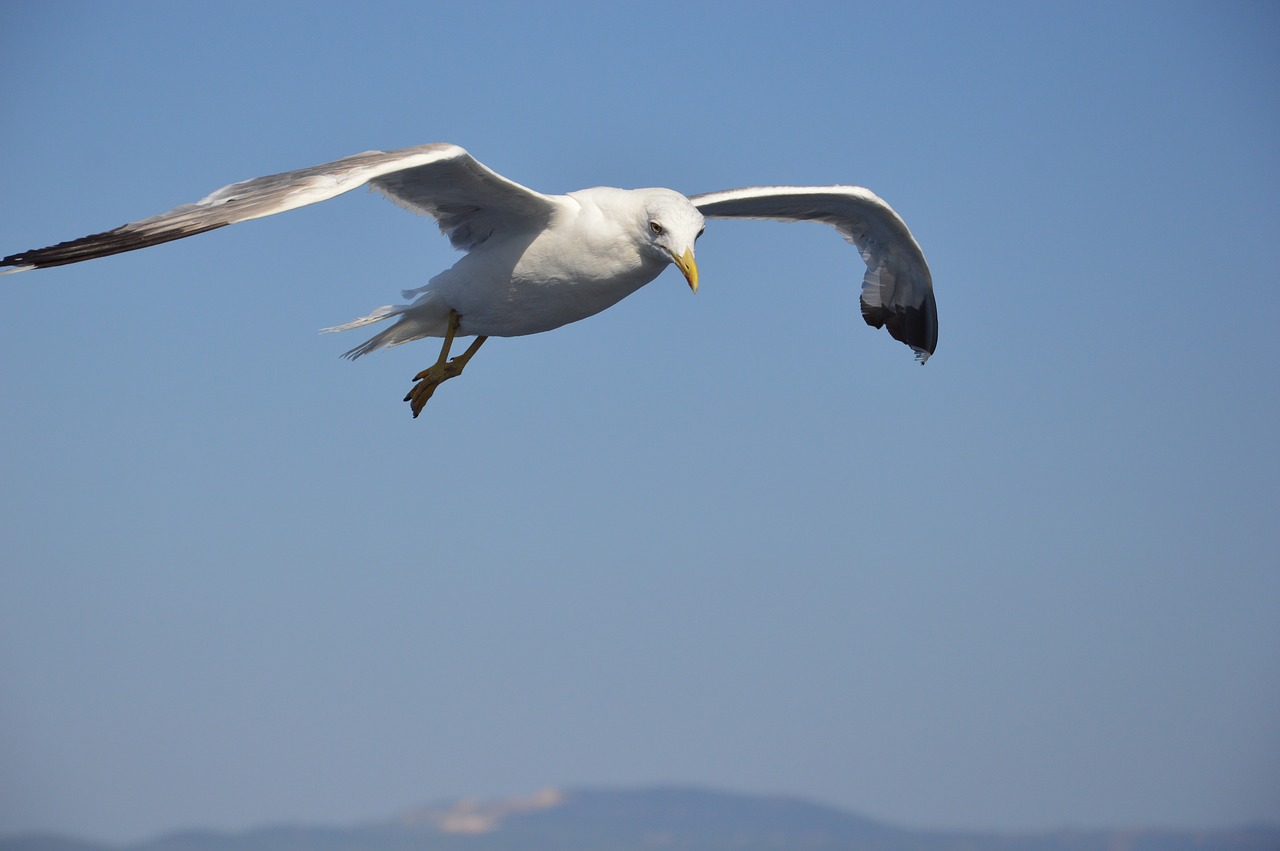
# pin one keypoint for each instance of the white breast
(580, 266)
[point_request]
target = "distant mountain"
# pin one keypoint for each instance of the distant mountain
(658, 819)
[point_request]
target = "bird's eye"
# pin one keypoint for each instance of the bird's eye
(656, 228)
(700, 233)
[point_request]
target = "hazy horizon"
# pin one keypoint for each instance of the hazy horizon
(471, 815)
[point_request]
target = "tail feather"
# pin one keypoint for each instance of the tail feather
(421, 319)
(382, 340)
(385, 312)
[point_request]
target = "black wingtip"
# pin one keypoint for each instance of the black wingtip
(915, 326)
(117, 241)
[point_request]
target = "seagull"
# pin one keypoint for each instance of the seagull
(535, 262)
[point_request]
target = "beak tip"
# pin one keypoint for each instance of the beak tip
(690, 269)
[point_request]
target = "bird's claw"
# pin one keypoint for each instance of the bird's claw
(426, 383)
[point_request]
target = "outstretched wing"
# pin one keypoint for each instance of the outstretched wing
(469, 201)
(897, 291)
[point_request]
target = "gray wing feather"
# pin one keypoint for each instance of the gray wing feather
(897, 290)
(469, 202)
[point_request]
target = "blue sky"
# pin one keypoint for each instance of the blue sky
(736, 539)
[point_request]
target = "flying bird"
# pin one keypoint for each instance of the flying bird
(534, 262)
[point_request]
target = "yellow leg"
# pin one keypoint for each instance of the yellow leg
(442, 370)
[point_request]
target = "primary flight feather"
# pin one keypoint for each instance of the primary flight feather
(535, 262)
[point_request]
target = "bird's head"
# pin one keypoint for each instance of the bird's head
(671, 225)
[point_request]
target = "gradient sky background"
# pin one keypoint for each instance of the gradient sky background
(737, 539)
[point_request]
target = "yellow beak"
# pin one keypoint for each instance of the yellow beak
(690, 269)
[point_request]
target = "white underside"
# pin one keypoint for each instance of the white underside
(518, 284)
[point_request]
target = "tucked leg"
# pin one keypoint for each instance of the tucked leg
(443, 369)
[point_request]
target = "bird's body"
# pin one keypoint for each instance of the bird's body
(535, 262)
(531, 280)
